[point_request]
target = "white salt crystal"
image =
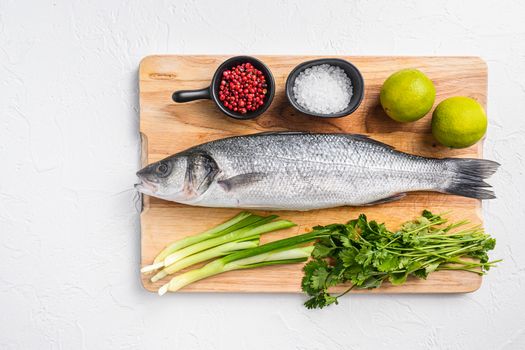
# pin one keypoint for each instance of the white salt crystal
(323, 89)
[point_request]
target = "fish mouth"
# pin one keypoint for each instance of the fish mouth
(146, 186)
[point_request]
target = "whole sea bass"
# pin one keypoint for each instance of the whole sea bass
(304, 171)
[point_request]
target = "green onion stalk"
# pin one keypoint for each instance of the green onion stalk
(239, 221)
(208, 254)
(284, 251)
(260, 227)
(211, 233)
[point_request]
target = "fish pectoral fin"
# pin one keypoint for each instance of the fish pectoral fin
(240, 180)
(393, 198)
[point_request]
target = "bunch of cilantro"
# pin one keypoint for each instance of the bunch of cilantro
(366, 254)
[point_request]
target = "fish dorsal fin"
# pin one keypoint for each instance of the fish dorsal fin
(366, 138)
(393, 198)
(357, 137)
(280, 133)
(241, 180)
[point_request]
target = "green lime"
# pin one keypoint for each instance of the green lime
(407, 95)
(459, 122)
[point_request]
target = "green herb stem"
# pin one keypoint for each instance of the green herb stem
(290, 255)
(260, 227)
(240, 220)
(208, 254)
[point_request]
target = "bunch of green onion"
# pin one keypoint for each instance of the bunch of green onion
(236, 245)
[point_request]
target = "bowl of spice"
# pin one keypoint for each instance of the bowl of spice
(242, 87)
(327, 88)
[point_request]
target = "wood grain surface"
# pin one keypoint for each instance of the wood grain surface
(168, 128)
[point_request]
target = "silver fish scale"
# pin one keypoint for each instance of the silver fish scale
(310, 171)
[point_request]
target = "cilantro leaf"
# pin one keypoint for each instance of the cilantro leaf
(366, 254)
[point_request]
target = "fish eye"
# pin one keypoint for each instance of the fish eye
(162, 169)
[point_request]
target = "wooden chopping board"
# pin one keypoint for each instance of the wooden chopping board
(167, 128)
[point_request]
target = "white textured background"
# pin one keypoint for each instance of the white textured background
(69, 147)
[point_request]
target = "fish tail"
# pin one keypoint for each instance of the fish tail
(468, 177)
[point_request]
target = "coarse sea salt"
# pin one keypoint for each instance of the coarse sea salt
(323, 89)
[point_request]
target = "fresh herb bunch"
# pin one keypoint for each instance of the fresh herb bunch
(365, 254)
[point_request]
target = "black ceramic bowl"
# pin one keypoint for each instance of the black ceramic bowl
(358, 86)
(212, 91)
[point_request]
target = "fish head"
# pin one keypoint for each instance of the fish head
(164, 179)
(182, 177)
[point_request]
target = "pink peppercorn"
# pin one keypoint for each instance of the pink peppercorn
(243, 88)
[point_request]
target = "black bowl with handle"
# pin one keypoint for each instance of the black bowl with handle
(358, 86)
(212, 92)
